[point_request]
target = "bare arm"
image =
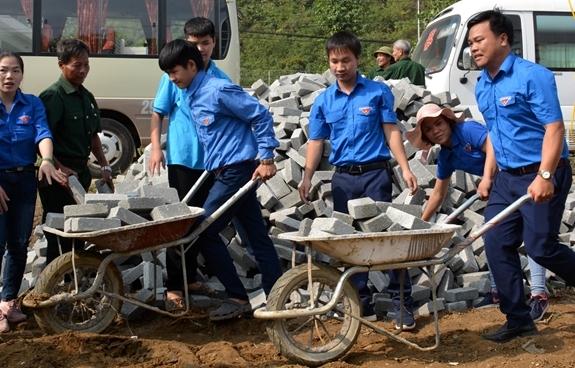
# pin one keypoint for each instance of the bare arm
(393, 137)
(47, 168)
(540, 189)
(312, 159)
(436, 198)
(489, 170)
(157, 159)
(102, 161)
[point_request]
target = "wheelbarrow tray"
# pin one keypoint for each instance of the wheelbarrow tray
(138, 236)
(365, 249)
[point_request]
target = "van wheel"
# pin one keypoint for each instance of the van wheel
(118, 146)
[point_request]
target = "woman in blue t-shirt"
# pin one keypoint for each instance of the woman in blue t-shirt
(23, 132)
(465, 146)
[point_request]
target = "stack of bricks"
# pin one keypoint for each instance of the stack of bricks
(289, 99)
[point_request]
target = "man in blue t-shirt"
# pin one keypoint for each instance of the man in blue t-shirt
(184, 155)
(357, 116)
(518, 100)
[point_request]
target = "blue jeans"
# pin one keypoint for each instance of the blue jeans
(376, 185)
(248, 213)
(536, 224)
(538, 286)
(16, 227)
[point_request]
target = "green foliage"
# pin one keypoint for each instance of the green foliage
(280, 37)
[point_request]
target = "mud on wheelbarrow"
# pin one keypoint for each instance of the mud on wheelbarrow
(83, 291)
(314, 311)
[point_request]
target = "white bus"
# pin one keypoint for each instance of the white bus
(125, 37)
(544, 33)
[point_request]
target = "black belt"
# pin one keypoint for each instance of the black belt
(219, 170)
(71, 161)
(360, 169)
(533, 168)
(20, 169)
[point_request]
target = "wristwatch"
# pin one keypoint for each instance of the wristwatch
(267, 161)
(106, 168)
(545, 174)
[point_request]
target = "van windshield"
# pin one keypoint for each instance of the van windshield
(436, 42)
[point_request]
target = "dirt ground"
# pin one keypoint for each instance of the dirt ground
(157, 341)
(193, 341)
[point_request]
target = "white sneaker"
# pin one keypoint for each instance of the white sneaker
(371, 318)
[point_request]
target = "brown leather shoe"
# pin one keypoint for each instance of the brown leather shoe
(12, 312)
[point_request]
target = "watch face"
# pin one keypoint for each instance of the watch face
(545, 174)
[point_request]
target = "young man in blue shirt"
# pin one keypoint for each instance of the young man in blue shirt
(518, 100)
(357, 115)
(233, 128)
(185, 156)
(465, 145)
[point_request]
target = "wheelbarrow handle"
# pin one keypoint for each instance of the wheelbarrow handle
(483, 229)
(455, 214)
(196, 186)
(214, 216)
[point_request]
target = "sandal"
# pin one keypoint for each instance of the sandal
(229, 309)
(203, 289)
(174, 303)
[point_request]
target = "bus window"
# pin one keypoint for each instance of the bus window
(107, 26)
(555, 41)
(517, 46)
(434, 46)
(214, 10)
(16, 17)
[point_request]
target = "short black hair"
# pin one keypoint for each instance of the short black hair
(343, 40)
(498, 23)
(179, 52)
(69, 48)
(5, 54)
(199, 27)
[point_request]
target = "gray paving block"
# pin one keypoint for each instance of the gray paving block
(266, 197)
(467, 278)
(456, 306)
(379, 279)
(416, 198)
(383, 305)
(290, 200)
(259, 87)
(86, 210)
(170, 195)
(461, 294)
(38, 265)
(78, 191)
(170, 210)
(292, 173)
(294, 155)
(86, 224)
(287, 224)
(278, 186)
(362, 208)
(285, 252)
(111, 200)
(427, 308)
(406, 220)
(419, 292)
(241, 256)
(148, 276)
(424, 178)
(305, 227)
(445, 284)
(55, 220)
(141, 204)
(375, 224)
(483, 286)
(347, 218)
(102, 187)
(469, 263)
(332, 226)
(132, 274)
(292, 212)
(131, 311)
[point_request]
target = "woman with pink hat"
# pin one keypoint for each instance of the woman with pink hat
(465, 146)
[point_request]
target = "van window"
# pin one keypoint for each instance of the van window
(555, 41)
(16, 18)
(438, 41)
(516, 48)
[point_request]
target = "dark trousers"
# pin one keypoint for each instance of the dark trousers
(182, 178)
(376, 185)
(536, 224)
(15, 228)
(248, 213)
(54, 197)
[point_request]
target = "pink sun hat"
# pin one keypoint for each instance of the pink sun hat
(429, 111)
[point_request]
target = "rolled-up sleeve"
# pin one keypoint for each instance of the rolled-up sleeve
(40, 121)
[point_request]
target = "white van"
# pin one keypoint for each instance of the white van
(544, 33)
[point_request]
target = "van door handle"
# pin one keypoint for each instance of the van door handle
(557, 73)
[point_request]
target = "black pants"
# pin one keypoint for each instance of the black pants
(183, 179)
(54, 197)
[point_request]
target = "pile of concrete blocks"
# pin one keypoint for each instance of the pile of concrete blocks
(289, 99)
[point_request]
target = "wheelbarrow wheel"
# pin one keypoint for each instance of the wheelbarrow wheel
(318, 339)
(92, 314)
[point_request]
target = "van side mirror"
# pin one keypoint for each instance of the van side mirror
(468, 60)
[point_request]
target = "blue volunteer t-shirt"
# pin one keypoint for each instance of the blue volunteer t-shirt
(182, 145)
(353, 122)
(467, 140)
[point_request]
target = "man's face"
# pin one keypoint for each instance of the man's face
(181, 76)
(383, 60)
(206, 46)
(397, 53)
(487, 49)
(343, 64)
(76, 70)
